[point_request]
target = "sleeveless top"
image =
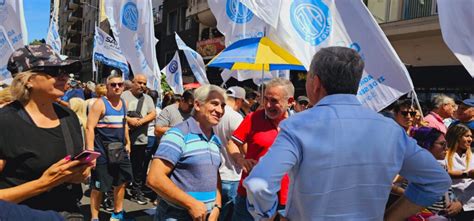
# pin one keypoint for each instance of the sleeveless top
(110, 128)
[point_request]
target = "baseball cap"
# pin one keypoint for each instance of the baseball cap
(302, 98)
(236, 92)
(468, 102)
(40, 58)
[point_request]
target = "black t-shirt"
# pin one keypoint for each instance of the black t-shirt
(30, 150)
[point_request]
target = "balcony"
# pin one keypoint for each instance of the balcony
(201, 9)
(74, 29)
(73, 42)
(73, 4)
(74, 16)
(385, 11)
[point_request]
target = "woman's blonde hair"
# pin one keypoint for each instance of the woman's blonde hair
(5, 96)
(78, 105)
(100, 90)
(453, 136)
(19, 89)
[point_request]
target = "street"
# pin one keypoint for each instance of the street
(134, 211)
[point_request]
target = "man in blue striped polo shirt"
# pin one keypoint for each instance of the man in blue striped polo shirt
(185, 168)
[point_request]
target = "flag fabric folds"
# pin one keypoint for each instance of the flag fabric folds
(6, 49)
(456, 19)
(306, 26)
(195, 61)
(132, 24)
(174, 76)
(107, 51)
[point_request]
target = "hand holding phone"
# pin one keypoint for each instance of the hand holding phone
(87, 156)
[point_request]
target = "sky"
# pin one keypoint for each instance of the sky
(37, 18)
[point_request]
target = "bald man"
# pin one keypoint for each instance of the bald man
(141, 111)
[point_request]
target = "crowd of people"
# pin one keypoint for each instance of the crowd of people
(229, 154)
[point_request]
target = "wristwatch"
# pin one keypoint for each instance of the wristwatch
(465, 174)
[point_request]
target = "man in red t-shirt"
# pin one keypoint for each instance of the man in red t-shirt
(255, 135)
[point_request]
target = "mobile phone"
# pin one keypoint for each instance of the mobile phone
(87, 156)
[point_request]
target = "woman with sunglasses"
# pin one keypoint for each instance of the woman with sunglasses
(460, 164)
(39, 137)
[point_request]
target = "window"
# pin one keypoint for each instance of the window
(205, 34)
(182, 18)
(172, 22)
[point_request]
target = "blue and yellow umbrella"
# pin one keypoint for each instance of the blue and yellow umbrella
(259, 54)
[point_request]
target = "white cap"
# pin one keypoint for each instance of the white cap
(236, 92)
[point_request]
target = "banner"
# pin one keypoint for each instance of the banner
(6, 49)
(107, 51)
(306, 26)
(12, 19)
(132, 24)
(173, 74)
(195, 61)
(53, 38)
(267, 14)
(210, 47)
(456, 20)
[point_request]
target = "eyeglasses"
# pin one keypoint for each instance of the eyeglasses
(116, 84)
(405, 113)
(303, 103)
(444, 144)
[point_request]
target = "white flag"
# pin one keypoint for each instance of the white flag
(6, 49)
(53, 38)
(132, 23)
(236, 22)
(107, 51)
(173, 74)
(12, 19)
(195, 61)
(456, 19)
(264, 11)
(306, 26)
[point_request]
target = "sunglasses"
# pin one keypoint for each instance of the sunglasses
(405, 113)
(303, 103)
(116, 84)
(443, 144)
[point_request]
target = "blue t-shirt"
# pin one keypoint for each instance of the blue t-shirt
(10, 212)
(196, 160)
(79, 93)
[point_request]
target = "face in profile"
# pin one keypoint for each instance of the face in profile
(48, 86)
(439, 148)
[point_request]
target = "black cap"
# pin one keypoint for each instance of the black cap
(41, 58)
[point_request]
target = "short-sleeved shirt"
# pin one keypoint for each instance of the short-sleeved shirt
(259, 133)
(170, 116)
(224, 130)
(139, 136)
(196, 160)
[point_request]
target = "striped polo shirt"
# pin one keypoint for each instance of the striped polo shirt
(195, 158)
(110, 128)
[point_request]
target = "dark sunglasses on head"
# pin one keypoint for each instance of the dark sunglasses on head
(405, 113)
(116, 84)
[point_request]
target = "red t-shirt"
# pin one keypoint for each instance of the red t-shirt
(259, 133)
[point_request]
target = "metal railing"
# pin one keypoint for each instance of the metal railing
(396, 10)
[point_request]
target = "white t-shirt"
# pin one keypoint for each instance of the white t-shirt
(463, 188)
(224, 130)
(151, 125)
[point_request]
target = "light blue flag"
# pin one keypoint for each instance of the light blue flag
(195, 61)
